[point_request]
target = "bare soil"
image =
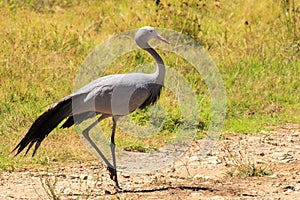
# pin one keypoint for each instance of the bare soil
(260, 166)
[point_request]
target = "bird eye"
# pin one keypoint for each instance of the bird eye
(151, 31)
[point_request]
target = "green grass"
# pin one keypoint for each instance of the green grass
(255, 45)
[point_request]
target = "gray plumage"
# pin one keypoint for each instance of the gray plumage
(109, 96)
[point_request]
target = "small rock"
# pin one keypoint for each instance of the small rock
(289, 188)
(262, 154)
(62, 175)
(286, 158)
(248, 195)
(74, 176)
(107, 192)
(273, 176)
(196, 195)
(126, 175)
(277, 184)
(83, 177)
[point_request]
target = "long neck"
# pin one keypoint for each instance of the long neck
(160, 67)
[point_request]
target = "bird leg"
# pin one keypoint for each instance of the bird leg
(111, 168)
(113, 171)
(87, 137)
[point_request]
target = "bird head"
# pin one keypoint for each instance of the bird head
(144, 34)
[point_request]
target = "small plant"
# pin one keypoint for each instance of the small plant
(49, 185)
(240, 165)
(160, 180)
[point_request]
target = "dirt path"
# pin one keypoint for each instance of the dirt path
(223, 174)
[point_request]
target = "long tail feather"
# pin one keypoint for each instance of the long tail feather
(78, 118)
(44, 124)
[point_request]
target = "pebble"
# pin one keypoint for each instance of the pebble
(74, 176)
(196, 195)
(278, 184)
(126, 175)
(83, 177)
(289, 188)
(273, 176)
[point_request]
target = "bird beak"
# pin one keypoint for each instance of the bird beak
(162, 39)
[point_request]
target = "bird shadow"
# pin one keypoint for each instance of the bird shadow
(192, 188)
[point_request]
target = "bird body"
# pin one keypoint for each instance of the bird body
(110, 93)
(109, 96)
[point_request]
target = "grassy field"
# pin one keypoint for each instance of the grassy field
(255, 45)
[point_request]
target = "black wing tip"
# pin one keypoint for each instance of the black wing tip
(22, 145)
(18, 146)
(37, 145)
(44, 124)
(29, 147)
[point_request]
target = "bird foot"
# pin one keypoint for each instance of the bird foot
(113, 176)
(119, 189)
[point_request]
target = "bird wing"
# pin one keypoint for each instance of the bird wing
(118, 94)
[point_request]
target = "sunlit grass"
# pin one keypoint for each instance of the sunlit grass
(43, 43)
